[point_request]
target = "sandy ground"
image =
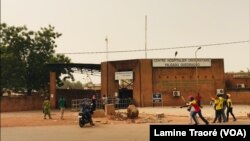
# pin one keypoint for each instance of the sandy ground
(172, 115)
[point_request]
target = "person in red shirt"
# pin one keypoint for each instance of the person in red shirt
(197, 108)
(198, 99)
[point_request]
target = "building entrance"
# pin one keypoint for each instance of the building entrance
(125, 89)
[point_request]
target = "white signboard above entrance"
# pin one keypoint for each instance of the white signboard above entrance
(182, 62)
(124, 75)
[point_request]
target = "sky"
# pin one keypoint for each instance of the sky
(85, 24)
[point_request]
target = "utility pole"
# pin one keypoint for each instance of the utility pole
(145, 37)
(197, 82)
(106, 39)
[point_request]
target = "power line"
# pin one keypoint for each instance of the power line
(167, 48)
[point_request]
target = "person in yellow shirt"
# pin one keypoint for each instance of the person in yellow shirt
(229, 107)
(218, 108)
(46, 108)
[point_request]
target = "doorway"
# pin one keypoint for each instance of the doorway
(125, 89)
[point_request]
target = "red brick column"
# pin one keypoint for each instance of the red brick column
(146, 82)
(53, 89)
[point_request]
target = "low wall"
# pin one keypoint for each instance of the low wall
(25, 103)
(240, 97)
(21, 103)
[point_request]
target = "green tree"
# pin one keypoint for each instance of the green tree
(78, 85)
(24, 55)
(71, 85)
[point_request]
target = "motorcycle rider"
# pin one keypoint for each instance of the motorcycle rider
(86, 109)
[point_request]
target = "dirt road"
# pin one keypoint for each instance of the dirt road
(172, 115)
(30, 125)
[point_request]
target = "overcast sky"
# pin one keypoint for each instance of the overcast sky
(84, 25)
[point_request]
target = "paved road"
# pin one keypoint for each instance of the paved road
(130, 132)
(100, 132)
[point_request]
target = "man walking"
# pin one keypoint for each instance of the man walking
(229, 107)
(197, 109)
(62, 106)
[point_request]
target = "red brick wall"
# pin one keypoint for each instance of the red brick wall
(184, 80)
(142, 85)
(104, 78)
(148, 80)
(22, 103)
(53, 89)
(25, 103)
(231, 82)
(240, 97)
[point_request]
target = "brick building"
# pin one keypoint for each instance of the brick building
(145, 79)
(174, 79)
(238, 81)
(238, 85)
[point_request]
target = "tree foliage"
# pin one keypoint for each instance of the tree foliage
(72, 85)
(24, 55)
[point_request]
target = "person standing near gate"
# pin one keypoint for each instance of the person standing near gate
(104, 101)
(62, 106)
(93, 107)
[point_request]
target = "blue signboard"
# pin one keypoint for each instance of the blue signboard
(157, 97)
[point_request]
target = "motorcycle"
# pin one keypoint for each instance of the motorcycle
(84, 115)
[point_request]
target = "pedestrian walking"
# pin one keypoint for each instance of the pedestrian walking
(46, 108)
(62, 106)
(191, 111)
(230, 107)
(219, 108)
(197, 111)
